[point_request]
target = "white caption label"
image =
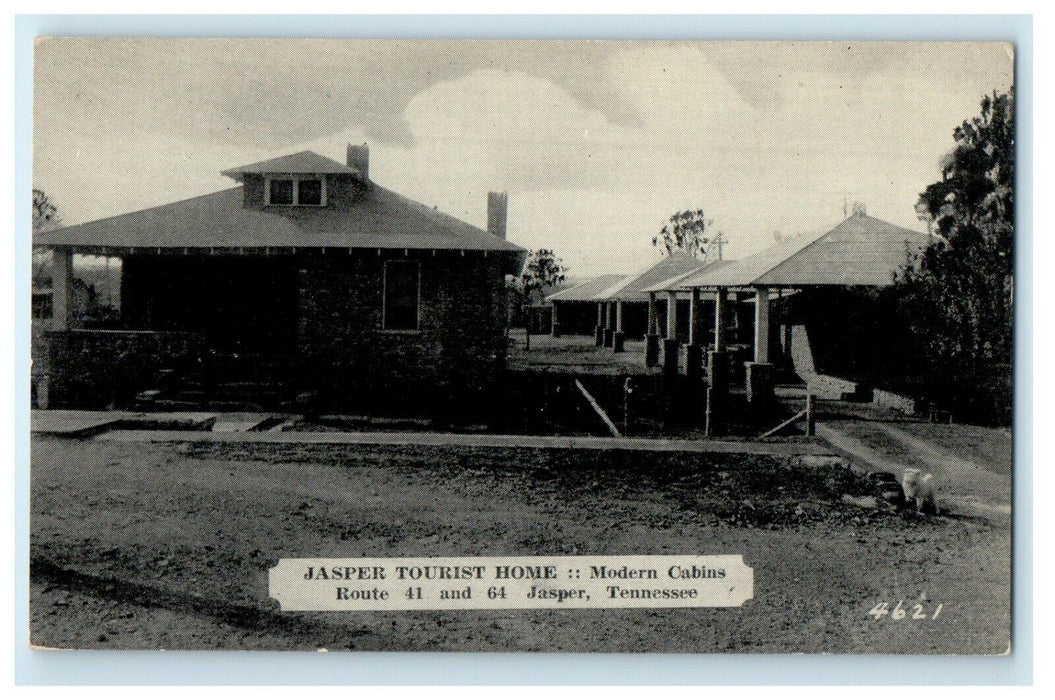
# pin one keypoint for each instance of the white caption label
(483, 583)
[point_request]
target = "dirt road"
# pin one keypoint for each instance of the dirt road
(138, 545)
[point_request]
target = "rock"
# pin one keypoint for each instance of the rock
(861, 501)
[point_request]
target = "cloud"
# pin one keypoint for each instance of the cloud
(596, 142)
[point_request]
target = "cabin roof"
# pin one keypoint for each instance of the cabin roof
(860, 251)
(586, 290)
(635, 287)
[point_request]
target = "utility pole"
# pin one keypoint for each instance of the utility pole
(717, 242)
(846, 202)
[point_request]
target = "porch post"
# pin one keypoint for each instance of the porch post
(694, 350)
(609, 323)
(652, 335)
(672, 316)
(670, 344)
(761, 325)
(719, 322)
(760, 372)
(651, 314)
(554, 328)
(717, 359)
(618, 337)
(598, 331)
(62, 289)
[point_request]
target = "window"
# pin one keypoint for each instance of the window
(291, 192)
(402, 295)
(281, 192)
(309, 192)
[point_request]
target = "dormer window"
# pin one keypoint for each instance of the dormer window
(296, 191)
(309, 192)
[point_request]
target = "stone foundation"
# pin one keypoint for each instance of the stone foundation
(651, 350)
(759, 383)
(718, 371)
(670, 357)
(694, 363)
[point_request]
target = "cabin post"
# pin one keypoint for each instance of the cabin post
(717, 359)
(652, 335)
(694, 350)
(761, 325)
(598, 331)
(62, 289)
(554, 327)
(759, 378)
(609, 323)
(719, 321)
(618, 337)
(670, 343)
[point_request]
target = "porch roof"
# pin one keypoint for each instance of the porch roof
(860, 251)
(378, 218)
(673, 284)
(635, 287)
(587, 290)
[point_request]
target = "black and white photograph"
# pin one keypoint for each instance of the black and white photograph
(522, 345)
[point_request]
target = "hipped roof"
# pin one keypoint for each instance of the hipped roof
(304, 162)
(635, 287)
(674, 283)
(586, 291)
(378, 218)
(860, 251)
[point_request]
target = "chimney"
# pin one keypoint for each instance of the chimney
(497, 210)
(359, 158)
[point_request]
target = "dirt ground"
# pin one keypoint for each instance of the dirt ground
(146, 546)
(576, 353)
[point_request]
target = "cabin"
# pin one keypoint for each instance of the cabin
(622, 309)
(305, 283)
(573, 309)
(826, 291)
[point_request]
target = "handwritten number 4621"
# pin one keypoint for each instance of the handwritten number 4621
(900, 612)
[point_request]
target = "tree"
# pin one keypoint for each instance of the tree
(957, 295)
(687, 231)
(45, 214)
(45, 217)
(542, 271)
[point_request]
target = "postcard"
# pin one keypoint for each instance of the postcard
(543, 346)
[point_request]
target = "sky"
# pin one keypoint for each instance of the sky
(597, 143)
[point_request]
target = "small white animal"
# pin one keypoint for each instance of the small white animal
(920, 490)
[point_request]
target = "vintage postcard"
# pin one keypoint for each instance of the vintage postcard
(584, 346)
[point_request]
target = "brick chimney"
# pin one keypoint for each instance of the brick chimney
(359, 158)
(497, 211)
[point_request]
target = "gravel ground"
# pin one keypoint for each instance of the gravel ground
(140, 546)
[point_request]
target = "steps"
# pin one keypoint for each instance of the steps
(221, 382)
(826, 387)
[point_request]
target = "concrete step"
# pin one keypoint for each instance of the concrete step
(831, 388)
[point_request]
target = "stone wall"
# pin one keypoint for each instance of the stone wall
(97, 369)
(450, 364)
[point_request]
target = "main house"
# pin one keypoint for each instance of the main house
(306, 280)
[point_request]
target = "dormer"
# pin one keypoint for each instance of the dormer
(302, 180)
